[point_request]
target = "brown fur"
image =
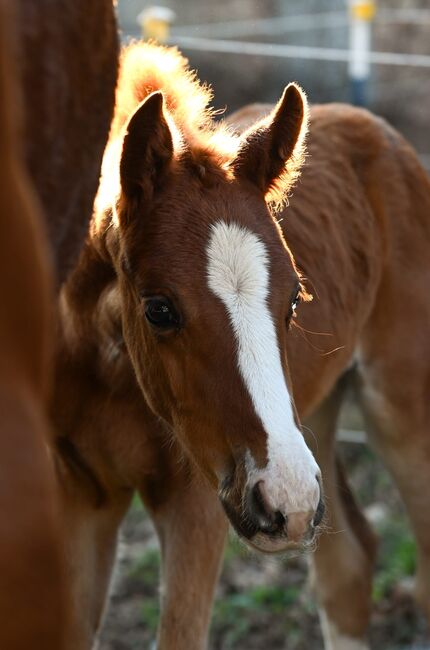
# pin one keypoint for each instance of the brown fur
(68, 54)
(32, 594)
(57, 77)
(358, 227)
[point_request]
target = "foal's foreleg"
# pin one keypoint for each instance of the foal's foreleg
(342, 564)
(192, 528)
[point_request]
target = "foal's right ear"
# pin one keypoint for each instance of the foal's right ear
(147, 149)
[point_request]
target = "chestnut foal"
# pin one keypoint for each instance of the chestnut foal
(187, 282)
(186, 265)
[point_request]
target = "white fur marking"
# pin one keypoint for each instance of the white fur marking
(238, 273)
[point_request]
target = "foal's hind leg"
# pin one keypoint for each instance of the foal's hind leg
(342, 564)
(395, 397)
(192, 529)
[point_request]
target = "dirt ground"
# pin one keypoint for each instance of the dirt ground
(265, 602)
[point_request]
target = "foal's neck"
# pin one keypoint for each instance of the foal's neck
(95, 392)
(94, 414)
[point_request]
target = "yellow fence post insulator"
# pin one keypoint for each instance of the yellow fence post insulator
(155, 23)
(363, 10)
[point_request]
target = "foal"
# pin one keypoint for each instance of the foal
(186, 266)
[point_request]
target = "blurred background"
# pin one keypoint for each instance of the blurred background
(288, 31)
(372, 53)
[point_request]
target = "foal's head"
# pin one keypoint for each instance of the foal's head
(208, 289)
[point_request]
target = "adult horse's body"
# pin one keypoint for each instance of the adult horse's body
(32, 592)
(57, 61)
(67, 55)
(186, 267)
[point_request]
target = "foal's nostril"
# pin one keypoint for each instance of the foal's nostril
(319, 514)
(268, 520)
(257, 502)
(279, 521)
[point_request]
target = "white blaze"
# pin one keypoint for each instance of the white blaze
(238, 273)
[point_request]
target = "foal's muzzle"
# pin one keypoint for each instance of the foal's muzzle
(263, 528)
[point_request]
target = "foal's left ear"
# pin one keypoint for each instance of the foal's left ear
(147, 149)
(269, 145)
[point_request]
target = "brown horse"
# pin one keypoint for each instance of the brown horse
(31, 595)
(187, 282)
(57, 60)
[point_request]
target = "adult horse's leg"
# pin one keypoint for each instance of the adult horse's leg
(343, 561)
(192, 528)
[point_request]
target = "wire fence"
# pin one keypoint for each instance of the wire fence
(284, 51)
(298, 23)
(240, 38)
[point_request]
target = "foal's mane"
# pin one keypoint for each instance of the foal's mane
(147, 67)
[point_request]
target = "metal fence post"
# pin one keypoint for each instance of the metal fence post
(361, 14)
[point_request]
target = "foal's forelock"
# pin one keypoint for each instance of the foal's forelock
(239, 275)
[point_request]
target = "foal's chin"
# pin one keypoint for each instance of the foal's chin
(272, 545)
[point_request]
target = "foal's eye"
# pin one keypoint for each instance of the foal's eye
(160, 312)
